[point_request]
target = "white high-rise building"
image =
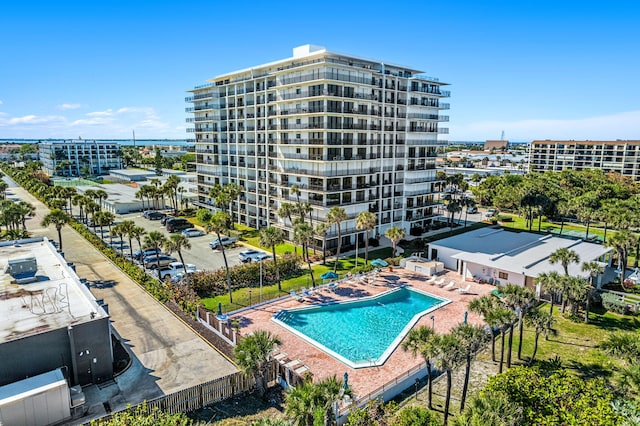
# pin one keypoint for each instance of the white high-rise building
(345, 131)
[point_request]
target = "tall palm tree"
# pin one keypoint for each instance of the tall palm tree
(621, 242)
(136, 233)
(450, 355)
(520, 299)
(336, 216)
(595, 269)
(366, 221)
(330, 390)
(472, 339)
(101, 195)
(127, 226)
(488, 409)
(272, 237)
(177, 243)
(321, 230)
(219, 224)
(301, 403)
(155, 240)
(3, 187)
(421, 341)
(504, 318)
(564, 256)
(25, 210)
(118, 232)
(578, 292)
(486, 306)
(254, 356)
(59, 218)
(550, 282)
(541, 322)
(395, 234)
(92, 208)
(303, 235)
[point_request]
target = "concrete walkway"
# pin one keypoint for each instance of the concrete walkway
(167, 354)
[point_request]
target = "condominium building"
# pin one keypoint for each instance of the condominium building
(357, 133)
(80, 157)
(620, 156)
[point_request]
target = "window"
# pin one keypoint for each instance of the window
(503, 275)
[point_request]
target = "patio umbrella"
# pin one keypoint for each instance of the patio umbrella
(345, 385)
(329, 276)
(379, 263)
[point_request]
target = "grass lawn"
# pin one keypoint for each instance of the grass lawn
(246, 296)
(576, 343)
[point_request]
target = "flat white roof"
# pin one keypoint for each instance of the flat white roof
(56, 299)
(519, 252)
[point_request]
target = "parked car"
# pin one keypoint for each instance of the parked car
(151, 262)
(472, 209)
(153, 215)
(141, 254)
(174, 268)
(178, 224)
(164, 220)
(180, 275)
(259, 257)
(247, 255)
(491, 213)
(225, 241)
(192, 232)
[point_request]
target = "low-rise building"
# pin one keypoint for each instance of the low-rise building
(49, 318)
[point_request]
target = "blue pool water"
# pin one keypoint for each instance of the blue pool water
(361, 333)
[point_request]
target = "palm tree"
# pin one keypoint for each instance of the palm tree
(366, 221)
(422, 341)
(336, 216)
(330, 390)
(177, 243)
(595, 269)
(472, 339)
(136, 233)
(23, 210)
(520, 299)
(488, 409)
(395, 234)
(578, 292)
(3, 187)
(450, 352)
(58, 218)
(303, 235)
(155, 240)
(621, 242)
(550, 282)
(321, 231)
(272, 237)
(127, 226)
(623, 345)
(564, 256)
(301, 403)
(486, 306)
(286, 210)
(101, 195)
(253, 355)
(219, 224)
(541, 322)
(92, 208)
(118, 232)
(453, 207)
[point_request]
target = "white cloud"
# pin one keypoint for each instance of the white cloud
(65, 107)
(622, 125)
(31, 120)
(106, 113)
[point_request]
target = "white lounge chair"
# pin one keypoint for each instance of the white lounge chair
(464, 290)
(296, 296)
(439, 282)
(432, 280)
(450, 286)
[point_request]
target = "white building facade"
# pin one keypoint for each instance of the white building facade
(346, 131)
(79, 157)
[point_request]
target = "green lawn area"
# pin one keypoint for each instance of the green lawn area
(575, 343)
(245, 296)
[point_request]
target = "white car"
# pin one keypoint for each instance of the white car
(491, 213)
(223, 241)
(192, 232)
(173, 269)
(251, 255)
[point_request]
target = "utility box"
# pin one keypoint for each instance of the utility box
(37, 401)
(23, 270)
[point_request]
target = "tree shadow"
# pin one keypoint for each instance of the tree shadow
(610, 323)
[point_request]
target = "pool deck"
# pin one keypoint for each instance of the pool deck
(299, 354)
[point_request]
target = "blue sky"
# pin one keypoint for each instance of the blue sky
(533, 69)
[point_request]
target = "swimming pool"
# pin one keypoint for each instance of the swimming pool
(363, 332)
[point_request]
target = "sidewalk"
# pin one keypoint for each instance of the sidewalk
(167, 355)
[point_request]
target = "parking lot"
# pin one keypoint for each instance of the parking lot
(200, 253)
